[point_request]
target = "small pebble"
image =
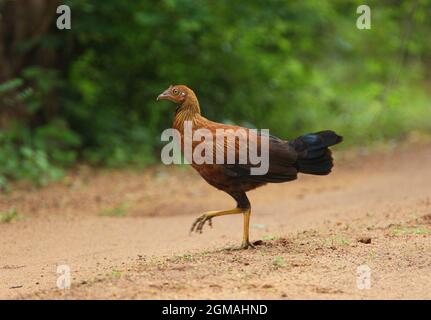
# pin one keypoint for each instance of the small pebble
(366, 240)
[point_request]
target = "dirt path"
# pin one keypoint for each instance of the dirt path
(125, 235)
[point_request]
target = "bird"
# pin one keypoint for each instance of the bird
(307, 154)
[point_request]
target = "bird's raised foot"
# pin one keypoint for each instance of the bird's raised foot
(199, 223)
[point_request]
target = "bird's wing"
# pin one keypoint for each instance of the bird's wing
(281, 156)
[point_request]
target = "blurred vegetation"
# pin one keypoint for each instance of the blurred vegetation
(88, 94)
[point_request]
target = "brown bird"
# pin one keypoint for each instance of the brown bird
(306, 154)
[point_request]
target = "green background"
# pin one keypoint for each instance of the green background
(88, 95)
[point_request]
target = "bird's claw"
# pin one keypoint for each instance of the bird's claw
(199, 223)
(244, 246)
(247, 245)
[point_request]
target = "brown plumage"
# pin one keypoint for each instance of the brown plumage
(307, 154)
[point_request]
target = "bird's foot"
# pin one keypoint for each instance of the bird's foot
(245, 245)
(199, 223)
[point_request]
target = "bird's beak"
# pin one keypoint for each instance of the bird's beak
(165, 95)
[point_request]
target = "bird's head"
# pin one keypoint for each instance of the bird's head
(177, 94)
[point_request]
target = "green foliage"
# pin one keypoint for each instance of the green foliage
(36, 155)
(291, 66)
(28, 152)
(278, 262)
(8, 216)
(118, 211)
(400, 231)
(11, 92)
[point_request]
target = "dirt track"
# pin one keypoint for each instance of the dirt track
(125, 235)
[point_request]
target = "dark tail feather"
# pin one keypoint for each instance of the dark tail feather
(314, 156)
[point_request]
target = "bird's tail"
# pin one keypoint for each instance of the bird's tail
(314, 155)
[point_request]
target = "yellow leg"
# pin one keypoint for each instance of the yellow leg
(199, 222)
(245, 237)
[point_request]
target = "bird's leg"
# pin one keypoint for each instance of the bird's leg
(245, 237)
(199, 222)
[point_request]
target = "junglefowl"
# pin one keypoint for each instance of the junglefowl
(309, 154)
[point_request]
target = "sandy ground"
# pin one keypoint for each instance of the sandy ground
(125, 235)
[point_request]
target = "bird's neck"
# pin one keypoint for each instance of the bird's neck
(189, 110)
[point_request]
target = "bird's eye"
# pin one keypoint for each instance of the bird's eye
(175, 91)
